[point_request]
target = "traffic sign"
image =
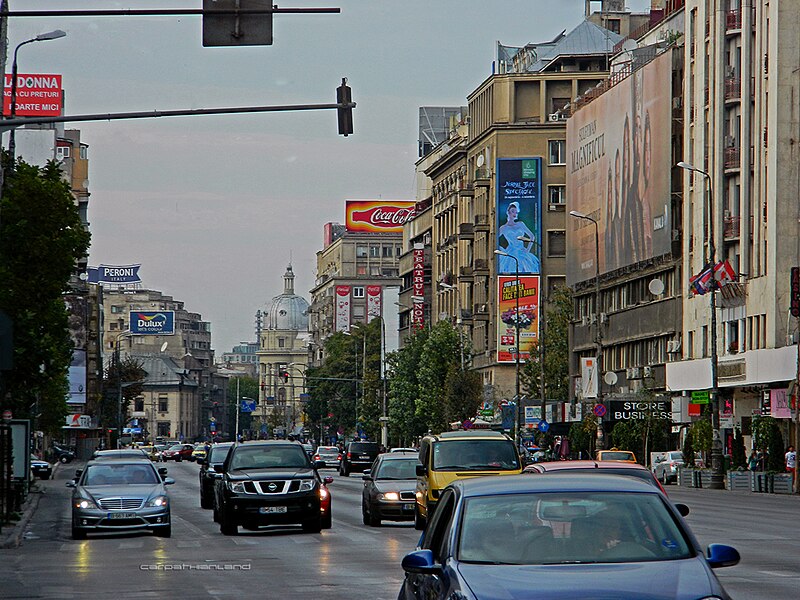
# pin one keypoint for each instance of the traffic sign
(599, 410)
(700, 397)
(248, 406)
(544, 426)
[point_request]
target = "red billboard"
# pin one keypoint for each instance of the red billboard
(514, 313)
(378, 216)
(37, 95)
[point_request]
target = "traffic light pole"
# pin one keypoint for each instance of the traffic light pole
(238, 409)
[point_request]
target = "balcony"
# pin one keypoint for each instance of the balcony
(465, 273)
(733, 20)
(466, 231)
(733, 88)
(481, 266)
(731, 159)
(731, 228)
(480, 312)
(481, 223)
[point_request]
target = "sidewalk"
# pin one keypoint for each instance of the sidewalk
(11, 535)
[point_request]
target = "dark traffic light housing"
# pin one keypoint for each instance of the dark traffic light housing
(344, 99)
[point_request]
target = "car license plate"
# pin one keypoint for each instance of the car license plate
(408, 506)
(365, 457)
(122, 515)
(271, 510)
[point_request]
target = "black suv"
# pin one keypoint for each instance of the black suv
(215, 456)
(358, 456)
(270, 483)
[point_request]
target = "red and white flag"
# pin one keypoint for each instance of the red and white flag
(724, 273)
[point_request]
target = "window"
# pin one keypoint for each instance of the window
(387, 252)
(62, 152)
(112, 326)
(281, 342)
(361, 270)
(556, 243)
(138, 405)
(374, 251)
(163, 429)
(361, 252)
(358, 312)
(84, 152)
(613, 25)
(117, 309)
(358, 292)
(558, 152)
(163, 403)
(390, 272)
(557, 193)
(375, 271)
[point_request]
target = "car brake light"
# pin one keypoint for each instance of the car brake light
(349, 455)
(316, 457)
(339, 457)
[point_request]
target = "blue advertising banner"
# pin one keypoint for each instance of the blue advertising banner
(114, 274)
(519, 215)
(152, 322)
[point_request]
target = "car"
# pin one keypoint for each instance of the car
(456, 454)
(570, 536)
(414, 450)
(199, 451)
(309, 449)
(208, 475)
(178, 452)
(122, 453)
(40, 468)
(152, 452)
(63, 454)
(120, 495)
(270, 483)
(665, 465)
(615, 454)
(389, 488)
(330, 455)
(358, 456)
(608, 467)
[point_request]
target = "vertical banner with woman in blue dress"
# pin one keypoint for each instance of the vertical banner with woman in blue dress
(519, 215)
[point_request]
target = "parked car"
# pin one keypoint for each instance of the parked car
(63, 454)
(270, 483)
(178, 452)
(389, 488)
(122, 453)
(615, 454)
(40, 468)
(665, 466)
(604, 536)
(208, 474)
(591, 467)
(330, 455)
(358, 456)
(120, 495)
(457, 454)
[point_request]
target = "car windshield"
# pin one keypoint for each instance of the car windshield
(566, 528)
(176, 447)
(397, 469)
(363, 447)
(218, 453)
(327, 450)
(616, 456)
(268, 457)
(676, 456)
(475, 455)
(119, 474)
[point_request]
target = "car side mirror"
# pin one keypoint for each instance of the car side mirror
(367, 474)
(199, 460)
(683, 509)
(420, 562)
(78, 473)
(71, 483)
(421, 471)
(169, 481)
(162, 471)
(327, 480)
(720, 555)
(319, 464)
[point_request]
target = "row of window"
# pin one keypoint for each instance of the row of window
(378, 251)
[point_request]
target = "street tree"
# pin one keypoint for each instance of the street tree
(404, 389)
(441, 350)
(42, 240)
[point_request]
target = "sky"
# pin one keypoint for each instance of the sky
(215, 207)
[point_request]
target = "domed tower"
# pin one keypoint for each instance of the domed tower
(283, 358)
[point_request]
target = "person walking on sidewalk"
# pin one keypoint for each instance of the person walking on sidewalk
(752, 461)
(791, 462)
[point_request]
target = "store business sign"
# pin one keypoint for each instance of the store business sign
(632, 410)
(38, 95)
(378, 216)
(418, 286)
(115, 274)
(152, 322)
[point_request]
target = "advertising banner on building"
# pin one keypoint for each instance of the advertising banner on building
(342, 308)
(519, 214)
(78, 421)
(373, 302)
(115, 274)
(508, 317)
(779, 404)
(152, 322)
(589, 378)
(77, 378)
(38, 95)
(378, 216)
(618, 174)
(418, 286)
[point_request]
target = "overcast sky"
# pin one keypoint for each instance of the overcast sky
(213, 207)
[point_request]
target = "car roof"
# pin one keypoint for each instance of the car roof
(566, 465)
(517, 484)
(471, 433)
(398, 455)
(123, 461)
(263, 443)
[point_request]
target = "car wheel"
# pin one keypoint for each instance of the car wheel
(227, 526)
(374, 520)
(664, 480)
(205, 501)
(313, 526)
(364, 515)
(78, 534)
(419, 520)
(164, 531)
(178, 459)
(63, 460)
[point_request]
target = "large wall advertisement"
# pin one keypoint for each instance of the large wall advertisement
(528, 317)
(378, 216)
(519, 214)
(618, 173)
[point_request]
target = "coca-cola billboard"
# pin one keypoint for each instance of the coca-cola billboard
(378, 216)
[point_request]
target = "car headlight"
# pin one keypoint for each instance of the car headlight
(237, 487)
(157, 501)
(85, 503)
(306, 485)
(391, 496)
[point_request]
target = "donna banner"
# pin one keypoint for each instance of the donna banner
(528, 317)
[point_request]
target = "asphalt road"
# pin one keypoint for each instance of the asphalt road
(348, 561)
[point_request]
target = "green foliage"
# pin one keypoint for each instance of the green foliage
(404, 424)
(688, 450)
(702, 435)
(463, 394)
(248, 388)
(122, 380)
(738, 453)
(626, 435)
(42, 238)
(582, 436)
(441, 350)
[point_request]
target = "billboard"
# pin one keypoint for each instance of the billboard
(115, 274)
(507, 316)
(152, 322)
(378, 216)
(418, 287)
(37, 95)
(342, 308)
(374, 302)
(618, 173)
(77, 378)
(519, 214)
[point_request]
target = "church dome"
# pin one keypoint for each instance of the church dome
(287, 311)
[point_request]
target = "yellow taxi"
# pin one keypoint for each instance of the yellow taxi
(616, 454)
(198, 452)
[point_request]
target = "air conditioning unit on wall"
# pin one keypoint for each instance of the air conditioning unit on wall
(553, 117)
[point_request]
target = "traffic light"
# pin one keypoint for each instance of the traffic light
(284, 374)
(345, 113)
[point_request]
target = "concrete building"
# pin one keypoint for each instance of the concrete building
(243, 357)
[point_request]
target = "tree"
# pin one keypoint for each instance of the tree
(121, 380)
(582, 435)
(404, 424)
(441, 350)
(738, 453)
(688, 450)
(463, 394)
(42, 239)
(702, 434)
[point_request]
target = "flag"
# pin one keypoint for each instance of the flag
(724, 273)
(701, 283)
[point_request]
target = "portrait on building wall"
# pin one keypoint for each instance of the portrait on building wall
(519, 193)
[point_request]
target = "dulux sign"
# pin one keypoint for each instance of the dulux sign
(115, 274)
(152, 322)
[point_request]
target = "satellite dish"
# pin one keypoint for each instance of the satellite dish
(610, 378)
(656, 287)
(164, 346)
(629, 45)
(481, 160)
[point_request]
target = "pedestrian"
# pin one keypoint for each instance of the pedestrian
(791, 462)
(752, 461)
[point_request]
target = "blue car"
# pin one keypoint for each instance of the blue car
(565, 537)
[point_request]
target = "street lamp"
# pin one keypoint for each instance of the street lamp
(598, 339)
(519, 419)
(118, 366)
(717, 477)
(459, 321)
(42, 37)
